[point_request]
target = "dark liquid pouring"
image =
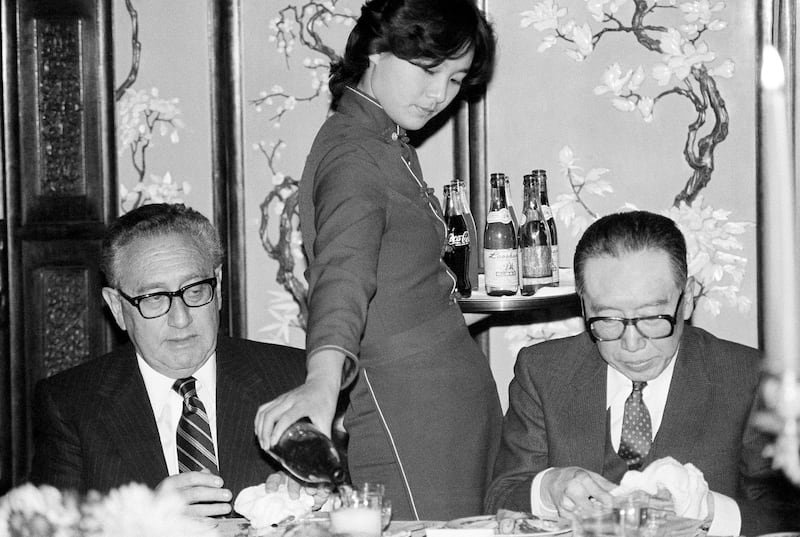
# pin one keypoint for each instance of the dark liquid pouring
(309, 455)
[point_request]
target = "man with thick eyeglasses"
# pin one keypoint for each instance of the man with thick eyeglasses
(175, 408)
(638, 386)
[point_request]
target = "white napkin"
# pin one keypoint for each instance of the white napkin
(684, 482)
(264, 508)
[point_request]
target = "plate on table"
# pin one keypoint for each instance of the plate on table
(530, 526)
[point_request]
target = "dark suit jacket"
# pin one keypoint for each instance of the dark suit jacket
(557, 417)
(94, 427)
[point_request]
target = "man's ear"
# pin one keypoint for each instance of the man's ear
(689, 292)
(218, 290)
(112, 298)
(373, 58)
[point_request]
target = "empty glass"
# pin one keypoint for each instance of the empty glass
(630, 517)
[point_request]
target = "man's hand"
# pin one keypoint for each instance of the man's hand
(571, 487)
(295, 488)
(202, 491)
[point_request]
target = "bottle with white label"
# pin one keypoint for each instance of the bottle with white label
(500, 263)
(544, 202)
(534, 241)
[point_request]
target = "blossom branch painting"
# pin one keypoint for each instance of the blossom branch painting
(684, 67)
(295, 27)
(142, 116)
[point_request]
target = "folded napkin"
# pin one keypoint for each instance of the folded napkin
(685, 483)
(264, 508)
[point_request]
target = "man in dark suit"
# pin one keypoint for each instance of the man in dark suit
(638, 386)
(123, 417)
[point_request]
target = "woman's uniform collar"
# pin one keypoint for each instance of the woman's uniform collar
(355, 100)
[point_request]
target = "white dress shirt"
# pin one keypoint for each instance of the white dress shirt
(167, 405)
(727, 518)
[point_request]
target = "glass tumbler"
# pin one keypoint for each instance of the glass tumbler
(358, 513)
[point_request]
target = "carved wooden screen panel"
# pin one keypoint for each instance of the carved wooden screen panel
(60, 191)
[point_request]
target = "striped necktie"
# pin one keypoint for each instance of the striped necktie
(637, 435)
(193, 439)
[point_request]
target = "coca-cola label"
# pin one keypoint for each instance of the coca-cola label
(462, 239)
(503, 216)
(547, 212)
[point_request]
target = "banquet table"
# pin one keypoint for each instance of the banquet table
(239, 527)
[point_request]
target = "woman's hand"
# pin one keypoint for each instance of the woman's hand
(316, 399)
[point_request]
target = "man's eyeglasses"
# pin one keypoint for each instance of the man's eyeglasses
(651, 326)
(154, 305)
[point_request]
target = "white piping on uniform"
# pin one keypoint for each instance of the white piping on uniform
(430, 206)
(394, 446)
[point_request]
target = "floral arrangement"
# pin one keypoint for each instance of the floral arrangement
(132, 510)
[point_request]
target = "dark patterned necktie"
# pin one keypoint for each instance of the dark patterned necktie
(193, 439)
(637, 432)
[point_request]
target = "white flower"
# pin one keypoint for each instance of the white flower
(645, 107)
(679, 56)
(130, 511)
(581, 36)
(725, 70)
(599, 8)
(700, 11)
(134, 510)
(613, 80)
(625, 105)
(544, 16)
(547, 42)
(711, 240)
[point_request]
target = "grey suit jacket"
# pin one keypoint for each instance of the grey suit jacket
(94, 427)
(557, 417)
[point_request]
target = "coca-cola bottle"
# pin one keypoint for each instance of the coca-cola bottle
(544, 202)
(534, 241)
(500, 264)
(309, 455)
(473, 231)
(456, 254)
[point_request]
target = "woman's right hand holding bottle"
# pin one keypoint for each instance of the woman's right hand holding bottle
(316, 399)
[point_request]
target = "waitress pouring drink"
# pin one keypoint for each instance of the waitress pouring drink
(424, 416)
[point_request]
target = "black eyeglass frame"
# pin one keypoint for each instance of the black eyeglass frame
(626, 321)
(136, 300)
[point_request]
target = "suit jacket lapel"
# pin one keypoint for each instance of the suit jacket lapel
(687, 401)
(128, 417)
(238, 397)
(585, 404)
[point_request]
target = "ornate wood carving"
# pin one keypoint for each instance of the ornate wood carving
(59, 168)
(65, 336)
(60, 107)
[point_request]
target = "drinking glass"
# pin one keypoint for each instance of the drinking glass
(371, 488)
(358, 513)
(386, 513)
(629, 517)
(596, 521)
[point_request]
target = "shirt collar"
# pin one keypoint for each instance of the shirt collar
(367, 110)
(618, 384)
(159, 386)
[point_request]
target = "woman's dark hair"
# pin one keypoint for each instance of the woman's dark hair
(629, 232)
(434, 30)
